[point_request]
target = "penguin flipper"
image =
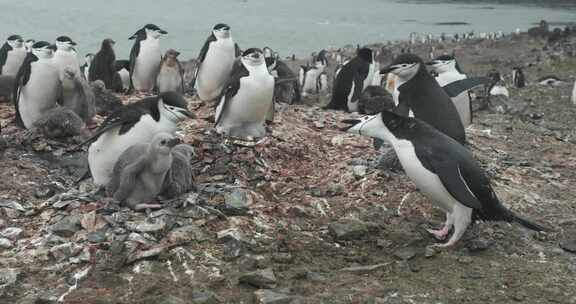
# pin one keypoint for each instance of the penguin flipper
(455, 88)
(231, 88)
(4, 55)
(133, 55)
(451, 177)
(237, 51)
(205, 48)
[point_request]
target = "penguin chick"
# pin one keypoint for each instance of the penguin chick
(58, 123)
(171, 75)
(105, 101)
(443, 169)
(180, 178)
(140, 171)
(77, 94)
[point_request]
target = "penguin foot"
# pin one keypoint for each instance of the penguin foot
(448, 244)
(147, 206)
(439, 234)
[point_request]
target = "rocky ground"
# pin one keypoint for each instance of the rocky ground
(300, 218)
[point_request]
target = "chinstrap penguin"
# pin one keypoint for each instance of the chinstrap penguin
(37, 85)
(66, 56)
(171, 76)
(351, 79)
(12, 55)
(123, 70)
(85, 68)
(420, 95)
(447, 71)
(215, 63)
(246, 101)
(134, 123)
(145, 57)
(140, 172)
(443, 169)
(518, 78)
(286, 87)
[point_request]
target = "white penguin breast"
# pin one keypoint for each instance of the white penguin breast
(310, 80)
(41, 92)
(14, 61)
(253, 99)
(216, 68)
(427, 181)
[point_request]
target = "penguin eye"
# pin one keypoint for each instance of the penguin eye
(163, 142)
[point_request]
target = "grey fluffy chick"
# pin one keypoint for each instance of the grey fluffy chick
(77, 95)
(180, 178)
(140, 171)
(58, 123)
(106, 101)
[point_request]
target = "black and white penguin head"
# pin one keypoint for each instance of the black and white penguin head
(405, 66)
(442, 64)
(148, 31)
(64, 43)
(15, 41)
(154, 31)
(163, 143)
(221, 31)
(173, 106)
(253, 57)
(88, 58)
(268, 53)
(28, 44)
(384, 125)
(43, 49)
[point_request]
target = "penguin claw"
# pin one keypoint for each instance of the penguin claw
(438, 234)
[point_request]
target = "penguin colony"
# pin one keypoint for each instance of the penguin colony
(136, 156)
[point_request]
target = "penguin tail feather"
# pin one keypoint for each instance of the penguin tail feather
(528, 224)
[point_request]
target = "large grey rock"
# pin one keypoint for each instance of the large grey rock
(262, 278)
(13, 233)
(5, 243)
(67, 226)
(264, 296)
(364, 269)
(8, 276)
(236, 203)
(348, 229)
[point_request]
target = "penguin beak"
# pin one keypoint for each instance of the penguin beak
(163, 32)
(176, 53)
(388, 69)
(173, 142)
(52, 47)
(188, 113)
(351, 123)
(72, 43)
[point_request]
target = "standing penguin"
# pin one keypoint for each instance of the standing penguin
(37, 87)
(518, 78)
(145, 57)
(309, 76)
(85, 68)
(171, 76)
(123, 69)
(350, 81)
(447, 71)
(103, 66)
(12, 55)
(132, 124)
(66, 55)
(421, 95)
(246, 102)
(216, 60)
(444, 171)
